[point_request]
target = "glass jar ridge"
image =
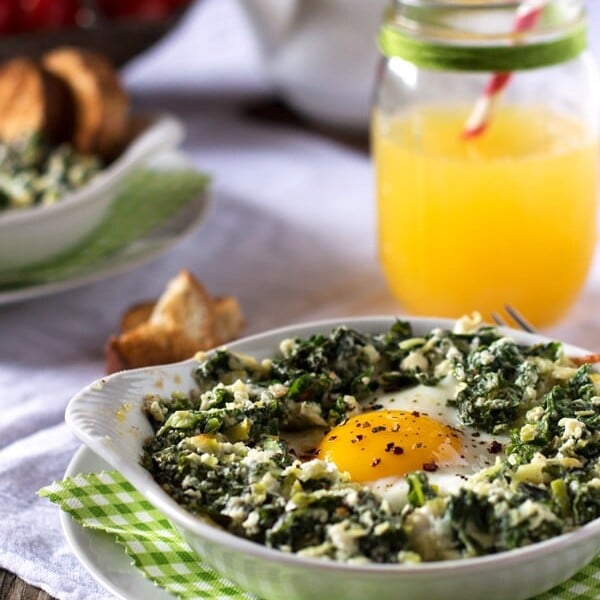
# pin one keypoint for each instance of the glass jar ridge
(477, 36)
(482, 22)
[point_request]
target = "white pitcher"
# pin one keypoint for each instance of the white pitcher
(321, 55)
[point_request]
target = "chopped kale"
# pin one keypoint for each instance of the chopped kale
(574, 402)
(499, 385)
(217, 450)
(226, 367)
(419, 489)
(484, 524)
(33, 172)
(347, 523)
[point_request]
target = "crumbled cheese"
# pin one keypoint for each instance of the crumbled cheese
(344, 537)
(311, 412)
(468, 323)
(415, 360)
(572, 428)
(528, 432)
(485, 357)
(317, 469)
(251, 524)
(278, 390)
(286, 347)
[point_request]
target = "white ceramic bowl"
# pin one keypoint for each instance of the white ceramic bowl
(107, 417)
(32, 235)
(321, 55)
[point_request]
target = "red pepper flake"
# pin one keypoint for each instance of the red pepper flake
(476, 434)
(333, 437)
(430, 467)
(389, 446)
(416, 413)
(395, 427)
(494, 447)
(398, 450)
(418, 445)
(366, 424)
(375, 462)
(378, 428)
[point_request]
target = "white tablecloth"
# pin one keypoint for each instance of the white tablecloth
(290, 233)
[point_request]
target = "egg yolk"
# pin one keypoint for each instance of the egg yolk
(389, 443)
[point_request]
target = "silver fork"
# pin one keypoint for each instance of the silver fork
(522, 322)
(516, 316)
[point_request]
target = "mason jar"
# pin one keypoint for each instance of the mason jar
(485, 144)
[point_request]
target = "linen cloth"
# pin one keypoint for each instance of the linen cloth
(290, 232)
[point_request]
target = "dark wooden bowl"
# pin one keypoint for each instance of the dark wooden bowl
(120, 41)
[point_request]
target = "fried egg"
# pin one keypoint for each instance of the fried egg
(411, 430)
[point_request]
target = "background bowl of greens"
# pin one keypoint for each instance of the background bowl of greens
(52, 198)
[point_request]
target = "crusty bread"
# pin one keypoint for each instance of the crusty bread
(33, 101)
(101, 104)
(184, 320)
(136, 315)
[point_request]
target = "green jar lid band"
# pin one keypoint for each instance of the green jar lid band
(517, 57)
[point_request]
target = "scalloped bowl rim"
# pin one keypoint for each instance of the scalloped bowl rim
(143, 482)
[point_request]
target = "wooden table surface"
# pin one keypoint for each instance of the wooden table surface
(14, 588)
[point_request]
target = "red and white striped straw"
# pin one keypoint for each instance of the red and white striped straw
(526, 18)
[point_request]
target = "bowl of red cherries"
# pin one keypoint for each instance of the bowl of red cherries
(118, 28)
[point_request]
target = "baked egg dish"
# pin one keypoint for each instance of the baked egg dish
(385, 448)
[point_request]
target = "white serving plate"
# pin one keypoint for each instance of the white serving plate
(98, 552)
(107, 417)
(34, 234)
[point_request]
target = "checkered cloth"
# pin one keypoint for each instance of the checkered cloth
(107, 502)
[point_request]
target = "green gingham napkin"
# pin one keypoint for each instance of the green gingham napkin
(149, 198)
(109, 503)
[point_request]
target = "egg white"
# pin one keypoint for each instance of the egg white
(479, 449)
(474, 456)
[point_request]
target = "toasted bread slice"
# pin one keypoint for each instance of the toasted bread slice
(184, 320)
(136, 315)
(33, 101)
(101, 104)
(229, 321)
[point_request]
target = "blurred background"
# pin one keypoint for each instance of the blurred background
(316, 56)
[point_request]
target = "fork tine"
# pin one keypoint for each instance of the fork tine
(498, 319)
(519, 319)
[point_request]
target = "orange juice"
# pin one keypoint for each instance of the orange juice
(508, 217)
